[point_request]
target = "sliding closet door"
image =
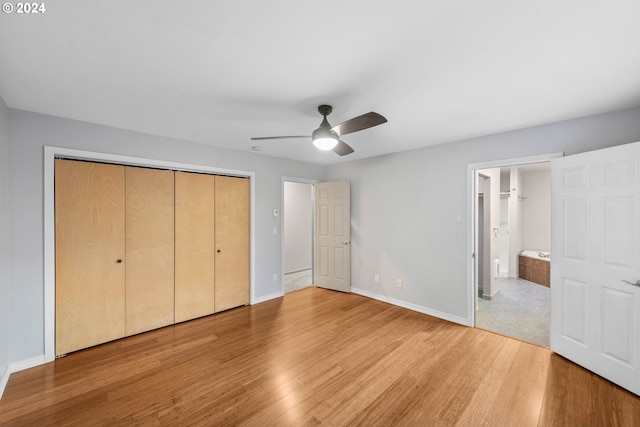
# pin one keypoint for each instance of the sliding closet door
(194, 284)
(150, 249)
(90, 247)
(232, 242)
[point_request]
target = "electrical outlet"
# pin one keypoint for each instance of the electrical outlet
(399, 283)
(376, 278)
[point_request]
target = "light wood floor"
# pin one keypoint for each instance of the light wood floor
(315, 357)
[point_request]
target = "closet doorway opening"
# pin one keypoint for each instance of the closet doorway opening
(511, 246)
(297, 232)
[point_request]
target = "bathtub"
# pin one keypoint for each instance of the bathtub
(543, 255)
(535, 266)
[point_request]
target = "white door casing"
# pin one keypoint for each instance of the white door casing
(332, 236)
(491, 249)
(595, 252)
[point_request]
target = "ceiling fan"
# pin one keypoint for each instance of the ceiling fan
(328, 138)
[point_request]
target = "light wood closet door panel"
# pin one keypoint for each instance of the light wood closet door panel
(194, 283)
(90, 239)
(150, 249)
(232, 242)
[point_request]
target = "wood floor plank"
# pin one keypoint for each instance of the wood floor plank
(315, 357)
(484, 396)
(575, 396)
(522, 392)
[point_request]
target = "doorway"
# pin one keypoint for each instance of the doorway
(297, 231)
(510, 214)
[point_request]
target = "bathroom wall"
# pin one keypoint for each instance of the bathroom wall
(536, 210)
(515, 220)
(503, 238)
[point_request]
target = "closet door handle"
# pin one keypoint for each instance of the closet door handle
(118, 261)
(218, 251)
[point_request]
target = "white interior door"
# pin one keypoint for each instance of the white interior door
(332, 236)
(595, 258)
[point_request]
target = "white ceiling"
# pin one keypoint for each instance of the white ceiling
(220, 72)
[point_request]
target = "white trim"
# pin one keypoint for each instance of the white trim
(26, 364)
(50, 153)
(312, 182)
(268, 297)
(17, 367)
(471, 169)
(410, 306)
(4, 379)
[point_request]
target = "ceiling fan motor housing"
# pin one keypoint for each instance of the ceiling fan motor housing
(325, 110)
(323, 137)
(324, 130)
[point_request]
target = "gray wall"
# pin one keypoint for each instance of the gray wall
(29, 132)
(404, 206)
(298, 226)
(4, 239)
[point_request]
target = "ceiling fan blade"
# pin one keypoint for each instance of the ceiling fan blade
(362, 122)
(262, 138)
(342, 149)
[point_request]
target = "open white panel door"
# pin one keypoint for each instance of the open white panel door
(332, 236)
(595, 262)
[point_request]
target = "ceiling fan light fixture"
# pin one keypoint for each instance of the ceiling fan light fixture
(324, 139)
(327, 137)
(325, 144)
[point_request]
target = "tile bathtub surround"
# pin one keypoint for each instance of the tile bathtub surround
(297, 280)
(534, 270)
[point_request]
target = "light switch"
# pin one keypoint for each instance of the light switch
(275, 230)
(276, 213)
(458, 218)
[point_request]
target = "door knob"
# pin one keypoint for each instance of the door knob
(631, 283)
(119, 261)
(218, 251)
(345, 242)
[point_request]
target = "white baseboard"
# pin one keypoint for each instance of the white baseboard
(19, 366)
(28, 363)
(490, 297)
(410, 306)
(4, 379)
(274, 295)
(297, 271)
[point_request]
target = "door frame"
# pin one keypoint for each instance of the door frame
(312, 182)
(471, 211)
(50, 153)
